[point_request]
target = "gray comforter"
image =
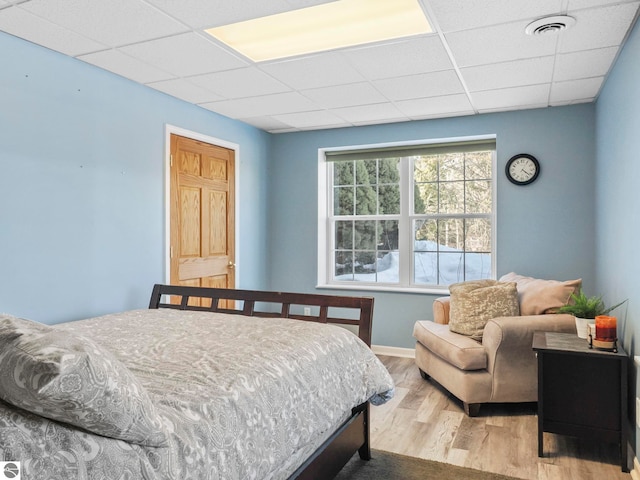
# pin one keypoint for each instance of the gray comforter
(238, 398)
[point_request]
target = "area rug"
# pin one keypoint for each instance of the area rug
(391, 466)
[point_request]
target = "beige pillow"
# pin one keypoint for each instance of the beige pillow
(538, 297)
(476, 302)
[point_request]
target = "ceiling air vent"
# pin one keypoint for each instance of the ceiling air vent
(550, 25)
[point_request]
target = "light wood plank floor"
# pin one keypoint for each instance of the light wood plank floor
(424, 420)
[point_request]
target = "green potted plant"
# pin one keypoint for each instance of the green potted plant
(585, 308)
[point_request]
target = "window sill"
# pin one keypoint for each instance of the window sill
(385, 288)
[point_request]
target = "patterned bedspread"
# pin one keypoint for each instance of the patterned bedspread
(239, 398)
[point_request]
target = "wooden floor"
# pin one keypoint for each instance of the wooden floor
(424, 420)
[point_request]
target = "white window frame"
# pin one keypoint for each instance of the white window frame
(325, 238)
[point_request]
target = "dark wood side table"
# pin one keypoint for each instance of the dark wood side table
(582, 392)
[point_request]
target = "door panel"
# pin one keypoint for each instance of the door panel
(202, 189)
(218, 215)
(190, 215)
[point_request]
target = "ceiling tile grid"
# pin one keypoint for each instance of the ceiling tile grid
(478, 59)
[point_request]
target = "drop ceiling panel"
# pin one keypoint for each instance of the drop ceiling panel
(432, 107)
(420, 86)
(457, 15)
(345, 95)
(296, 4)
(207, 13)
(589, 63)
(397, 59)
(575, 90)
(275, 104)
(240, 83)
(511, 97)
(370, 113)
(320, 70)
(599, 27)
(23, 24)
(320, 118)
(184, 55)
(501, 43)
(267, 123)
(126, 66)
(530, 71)
(185, 90)
(113, 22)
(580, 4)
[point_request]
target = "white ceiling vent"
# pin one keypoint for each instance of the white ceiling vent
(550, 25)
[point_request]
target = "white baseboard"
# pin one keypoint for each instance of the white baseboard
(395, 352)
(635, 473)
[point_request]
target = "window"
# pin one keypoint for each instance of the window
(407, 216)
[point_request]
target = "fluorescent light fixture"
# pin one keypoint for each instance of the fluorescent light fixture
(337, 24)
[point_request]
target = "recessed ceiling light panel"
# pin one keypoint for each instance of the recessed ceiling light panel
(550, 25)
(323, 27)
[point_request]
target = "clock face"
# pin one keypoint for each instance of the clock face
(522, 169)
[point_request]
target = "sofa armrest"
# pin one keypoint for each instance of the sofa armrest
(510, 357)
(441, 308)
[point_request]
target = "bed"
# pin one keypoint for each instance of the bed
(205, 384)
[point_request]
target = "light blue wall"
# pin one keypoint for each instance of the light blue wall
(82, 186)
(545, 229)
(82, 194)
(618, 198)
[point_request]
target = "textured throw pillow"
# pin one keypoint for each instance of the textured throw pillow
(474, 303)
(538, 297)
(71, 379)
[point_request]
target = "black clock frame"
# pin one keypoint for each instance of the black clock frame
(513, 159)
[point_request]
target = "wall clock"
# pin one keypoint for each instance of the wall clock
(522, 169)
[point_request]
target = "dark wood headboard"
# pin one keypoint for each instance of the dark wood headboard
(280, 303)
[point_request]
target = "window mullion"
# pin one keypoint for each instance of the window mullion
(405, 227)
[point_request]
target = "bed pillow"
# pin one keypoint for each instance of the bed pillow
(538, 297)
(474, 303)
(71, 379)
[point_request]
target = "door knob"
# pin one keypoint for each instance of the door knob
(231, 264)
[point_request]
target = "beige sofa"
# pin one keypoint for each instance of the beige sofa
(502, 367)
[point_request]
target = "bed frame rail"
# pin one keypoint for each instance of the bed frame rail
(196, 298)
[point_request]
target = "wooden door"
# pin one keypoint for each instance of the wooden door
(202, 214)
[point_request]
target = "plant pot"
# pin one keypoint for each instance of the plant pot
(581, 326)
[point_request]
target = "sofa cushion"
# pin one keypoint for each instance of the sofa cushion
(538, 297)
(458, 350)
(474, 303)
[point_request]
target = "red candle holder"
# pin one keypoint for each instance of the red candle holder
(606, 334)
(606, 328)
